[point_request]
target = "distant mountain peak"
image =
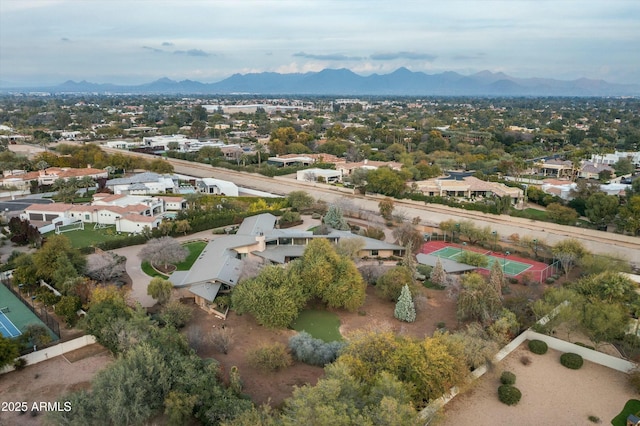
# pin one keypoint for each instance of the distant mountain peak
(344, 82)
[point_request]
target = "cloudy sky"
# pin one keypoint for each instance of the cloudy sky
(137, 41)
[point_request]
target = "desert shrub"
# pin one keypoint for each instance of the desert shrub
(507, 378)
(509, 395)
(594, 419)
(473, 258)
(513, 280)
(221, 339)
(305, 348)
(550, 280)
(525, 360)
(175, 314)
(19, 363)
(571, 360)
(584, 345)
(424, 270)
(634, 378)
(538, 347)
(271, 357)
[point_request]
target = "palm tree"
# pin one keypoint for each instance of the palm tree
(259, 151)
(58, 184)
(86, 182)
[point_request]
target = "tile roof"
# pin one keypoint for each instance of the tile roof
(53, 207)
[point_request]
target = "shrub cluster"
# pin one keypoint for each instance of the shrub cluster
(270, 357)
(132, 240)
(507, 378)
(538, 347)
(584, 345)
(305, 348)
(571, 360)
(509, 394)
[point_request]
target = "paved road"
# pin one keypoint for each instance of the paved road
(596, 241)
(19, 204)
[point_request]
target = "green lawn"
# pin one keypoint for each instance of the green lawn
(89, 236)
(631, 407)
(535, 214)
(320, 324)
(148, 269)
(195, 248)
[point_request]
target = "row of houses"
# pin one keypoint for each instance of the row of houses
(145, 183)
(128, 213)
(21, 179)
(221, 263)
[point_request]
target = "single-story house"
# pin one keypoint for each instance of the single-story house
(143, 184)
(219, 267)
(348, 168)
(217, 187)
(319, 175)
(468, 187)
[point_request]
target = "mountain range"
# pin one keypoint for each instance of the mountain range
(343, 82)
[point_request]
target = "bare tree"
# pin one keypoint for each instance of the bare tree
(164, 251)
(105, 266)
(407, 234)
(221, 339)
(249, 268)
(350, 247)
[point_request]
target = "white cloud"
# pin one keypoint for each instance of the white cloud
(544, 38)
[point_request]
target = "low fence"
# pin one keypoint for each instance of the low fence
(40, 312)
(594, 356)
(53, 351)
(609, 361)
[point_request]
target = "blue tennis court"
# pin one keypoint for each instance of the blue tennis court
(7, 328)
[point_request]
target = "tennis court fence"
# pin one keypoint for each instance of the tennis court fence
(40, 312)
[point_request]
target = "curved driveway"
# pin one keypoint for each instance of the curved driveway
(140, 280)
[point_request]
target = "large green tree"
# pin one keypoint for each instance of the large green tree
(601, 209)
(386, 181)
(160, 289)
(430, 367)
(333, 279)
(274, 297)
(389, 285)
(568, 252)
(9, 351)
(57, 251)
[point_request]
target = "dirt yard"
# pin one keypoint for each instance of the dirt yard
(551, 394)
(276, 387)
(49, 380)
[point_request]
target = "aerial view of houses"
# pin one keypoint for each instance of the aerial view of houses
(319, 213)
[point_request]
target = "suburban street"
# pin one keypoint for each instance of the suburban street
(598, 242)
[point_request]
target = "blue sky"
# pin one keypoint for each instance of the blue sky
(137, 41)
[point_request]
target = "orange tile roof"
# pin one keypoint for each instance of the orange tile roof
(54, 207)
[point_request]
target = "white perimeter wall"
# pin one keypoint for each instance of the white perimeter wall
(557, 344)
(53, 351)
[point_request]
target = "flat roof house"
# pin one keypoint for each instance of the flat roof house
(219, 267)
